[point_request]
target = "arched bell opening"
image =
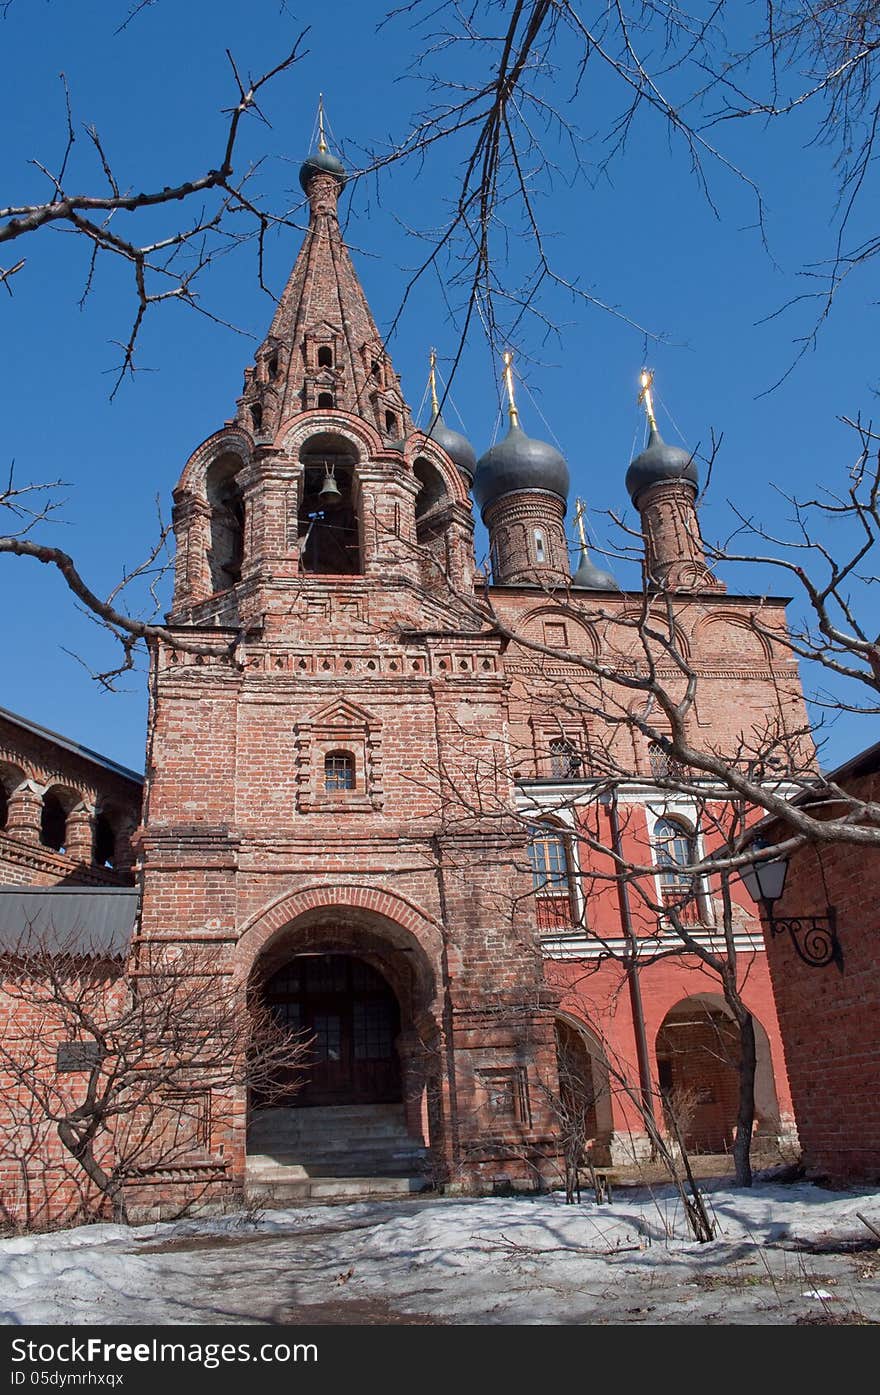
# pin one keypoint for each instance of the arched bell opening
(432, 496)
(330, 532)
(226, 552)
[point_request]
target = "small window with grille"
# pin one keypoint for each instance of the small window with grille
(338, 771)
(663, 765)
(565, 759)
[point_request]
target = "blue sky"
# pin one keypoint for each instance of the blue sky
(643, 239)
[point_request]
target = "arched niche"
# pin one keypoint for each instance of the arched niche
(730, 635)
(559, 630)
(223, 492)
(329, 522)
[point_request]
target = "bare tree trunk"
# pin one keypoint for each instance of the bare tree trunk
(745, 1116)
(109, 1185)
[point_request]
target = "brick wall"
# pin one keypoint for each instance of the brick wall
(828, 1018)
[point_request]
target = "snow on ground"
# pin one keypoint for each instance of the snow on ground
(783, 1254)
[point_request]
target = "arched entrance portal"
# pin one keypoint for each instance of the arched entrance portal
(352, 1017)
(365, 1117)
(584, 1088)
(698, 1073)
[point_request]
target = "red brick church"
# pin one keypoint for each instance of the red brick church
(365, 794)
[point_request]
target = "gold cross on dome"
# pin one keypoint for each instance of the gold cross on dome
(646, 396)
(508, 383)
(580, 510)
(322, 141)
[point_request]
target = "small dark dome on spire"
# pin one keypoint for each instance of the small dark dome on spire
(456, 446)
(589, 577)
(519, 462)
(322, 162)
(659, 463)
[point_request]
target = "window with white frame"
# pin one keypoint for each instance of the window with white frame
(550, 861)
(540, 549)
(675, 847)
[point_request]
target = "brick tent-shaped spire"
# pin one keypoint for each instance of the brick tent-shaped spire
(323, 349)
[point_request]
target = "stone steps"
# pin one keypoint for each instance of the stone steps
(333, 1189)
(333, 1153)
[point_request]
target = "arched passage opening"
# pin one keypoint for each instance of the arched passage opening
(351, 1017)
(10, 779)
(57, 804)
(361, 989)
(698, 1059)
(584, 1088)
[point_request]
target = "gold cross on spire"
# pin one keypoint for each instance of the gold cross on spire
(646, 396)
(432, 381)
(508, 383)
(580, 509)
(322, 142)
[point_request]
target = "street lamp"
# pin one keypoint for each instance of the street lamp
(813, 936)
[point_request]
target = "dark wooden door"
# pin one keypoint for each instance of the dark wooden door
(351, 1013)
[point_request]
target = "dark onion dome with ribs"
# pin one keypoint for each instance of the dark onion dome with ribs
(519, 463)
(456, 446)
(658, 464)
(589, 577)
(322, 162)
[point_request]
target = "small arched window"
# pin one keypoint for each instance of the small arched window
(325, 399)
(565, 759)
(390, 424)
(325, 356)
(338, 771)
(540, 549)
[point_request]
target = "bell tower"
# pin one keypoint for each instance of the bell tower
(310, 766)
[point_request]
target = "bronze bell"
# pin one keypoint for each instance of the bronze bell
(329, 491)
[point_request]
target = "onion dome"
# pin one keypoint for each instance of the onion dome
(589, 577)
(322, 162)
(519, 463)
(659, 463)
(456, 446)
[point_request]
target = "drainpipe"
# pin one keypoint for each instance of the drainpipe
(631, 962)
